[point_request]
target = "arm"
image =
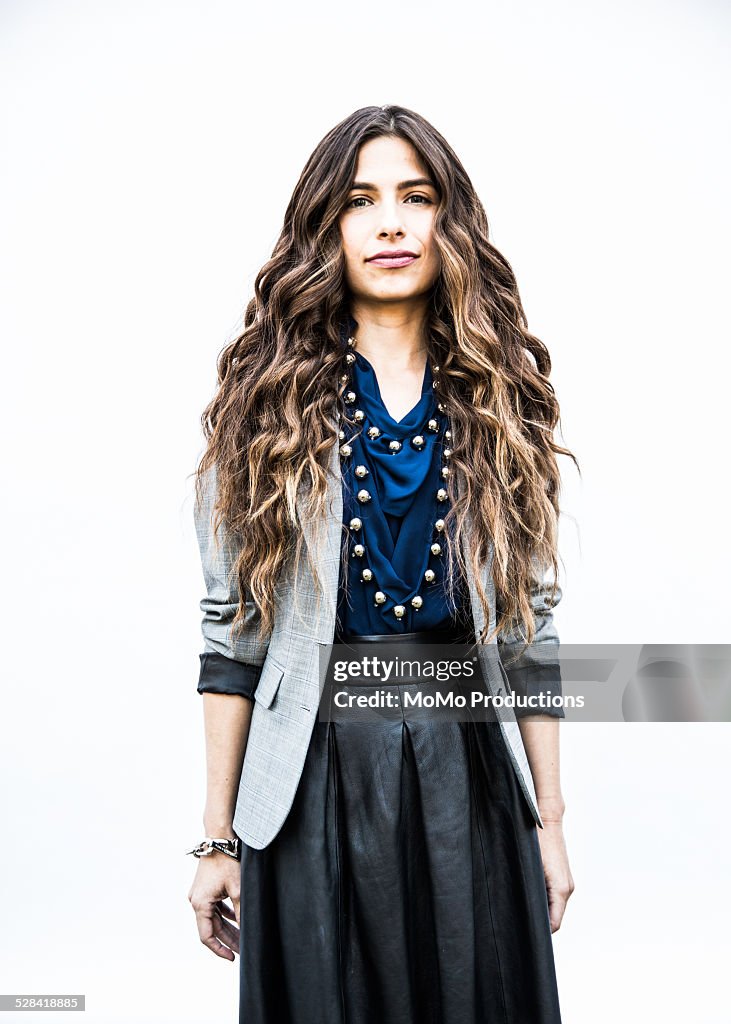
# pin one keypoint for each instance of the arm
(226, 720)
(230, 668)
(540, 737)
(218, 877)
(229, 673)
(541, 741)
(534, 671)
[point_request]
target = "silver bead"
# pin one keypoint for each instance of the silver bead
(350, 358)
(394, 446)
(351, 342)
(355, 524)
(418, 441)
(364, 496)
(442, 494)
(360, 472)
(435, 369)
(433, 426)
(379, 597)
(344, 378)
(448, 435)
(441, 407)
(399, 611)
(445, 471)
(345, 450)
(366, 575)
(373, 433)
(435, 384)
(358, 415)
(350, 397)
(358, 550)
(430, 575)
(436, 549)
(417, 602)
(341, 435)
(447, 453)
(439, 525)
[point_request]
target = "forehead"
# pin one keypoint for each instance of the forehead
(387, 160)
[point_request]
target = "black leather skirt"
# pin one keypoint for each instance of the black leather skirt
(405, 886)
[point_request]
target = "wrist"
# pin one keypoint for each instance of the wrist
(551, 808)
(213, 846)
(218, 828)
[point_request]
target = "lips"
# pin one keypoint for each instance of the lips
(398, 258)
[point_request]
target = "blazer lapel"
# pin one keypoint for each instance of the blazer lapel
(323, 537)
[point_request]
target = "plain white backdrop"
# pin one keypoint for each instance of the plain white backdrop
(149, 151)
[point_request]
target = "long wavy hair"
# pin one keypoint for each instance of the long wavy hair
(272, 424)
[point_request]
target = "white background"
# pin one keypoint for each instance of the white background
(149, 152)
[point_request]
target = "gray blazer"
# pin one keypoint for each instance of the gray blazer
(288, 663)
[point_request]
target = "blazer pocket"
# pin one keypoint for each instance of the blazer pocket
(271, 677)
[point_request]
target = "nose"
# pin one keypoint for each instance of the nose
(391, 222)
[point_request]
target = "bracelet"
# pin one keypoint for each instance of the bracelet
(231, 847)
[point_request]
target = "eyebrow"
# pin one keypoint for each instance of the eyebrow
(367, 186)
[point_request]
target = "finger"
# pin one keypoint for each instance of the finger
(219, 948)
(227, 933)
(208, 923)
(226, 911)
(556, 908)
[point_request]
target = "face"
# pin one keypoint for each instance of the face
(390, 209)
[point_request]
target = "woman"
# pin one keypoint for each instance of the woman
(381, 468)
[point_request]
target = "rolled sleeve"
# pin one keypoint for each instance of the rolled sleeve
(219, 674)
(537, 681)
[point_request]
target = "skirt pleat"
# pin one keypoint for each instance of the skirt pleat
(405, 886)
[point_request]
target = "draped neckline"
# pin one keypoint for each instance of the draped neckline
(371, 400)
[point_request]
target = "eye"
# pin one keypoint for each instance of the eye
(425, 200)
(357, 199)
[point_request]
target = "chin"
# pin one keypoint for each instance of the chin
(394, 296)
(396, 290)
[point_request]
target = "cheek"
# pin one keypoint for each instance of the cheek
(351, 246)
(434, 260)
(429, 243)
(344, 234)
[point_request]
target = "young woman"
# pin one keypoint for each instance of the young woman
(381, 467)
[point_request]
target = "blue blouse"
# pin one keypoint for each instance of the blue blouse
(394, 503)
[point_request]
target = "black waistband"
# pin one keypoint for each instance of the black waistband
(429, 636)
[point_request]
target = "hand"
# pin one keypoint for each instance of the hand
(556, 870)
(218, 877)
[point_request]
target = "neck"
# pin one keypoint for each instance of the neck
(391, 334)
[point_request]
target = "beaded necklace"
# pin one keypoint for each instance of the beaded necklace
(359, 540)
